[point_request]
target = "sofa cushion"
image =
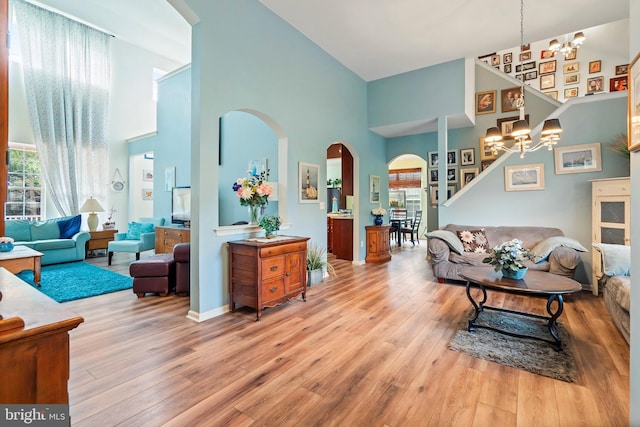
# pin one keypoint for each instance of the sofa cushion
(620, 289)
(51, 244)
(18, 229)
(135, 229)
(474, 240)
(616, 259)
(45, 230)
(69, 226)
(448, 237)
(541, 251)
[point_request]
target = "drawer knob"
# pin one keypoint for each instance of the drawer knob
(273, 289)
(274, 268)
(288, 273)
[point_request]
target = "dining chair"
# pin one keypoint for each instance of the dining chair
(397, 219)
(412, 229)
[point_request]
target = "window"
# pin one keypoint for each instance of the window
(24, 195)
(410, 181)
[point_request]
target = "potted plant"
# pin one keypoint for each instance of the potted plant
(316, 264)
(271, 224)
(509, 257)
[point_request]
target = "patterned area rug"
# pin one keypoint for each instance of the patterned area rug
(531, 355)
(77, 280)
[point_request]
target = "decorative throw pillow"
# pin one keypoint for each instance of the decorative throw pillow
(449, 238)
(135, 229)
(616, 259)
(474, 240)
(69, 226)
(542, 250)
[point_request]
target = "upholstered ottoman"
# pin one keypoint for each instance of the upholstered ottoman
(155, 274)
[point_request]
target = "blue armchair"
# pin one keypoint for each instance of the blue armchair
(140, 236)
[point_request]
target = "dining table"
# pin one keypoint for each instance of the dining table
(397, 224)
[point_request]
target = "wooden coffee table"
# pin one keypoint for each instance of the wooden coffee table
(535, 283)
(22, 258)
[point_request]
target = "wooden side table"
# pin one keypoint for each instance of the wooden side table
(378, 250)
(99, 240)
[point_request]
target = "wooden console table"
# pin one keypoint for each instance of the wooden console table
(100, 240)
(34, 356)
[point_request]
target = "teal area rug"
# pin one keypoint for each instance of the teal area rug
(77, 280)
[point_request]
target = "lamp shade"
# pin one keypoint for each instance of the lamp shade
(493, 135)
(551, 126)
(91, 205)
(578, 38)
(520, 128)
(554, 44)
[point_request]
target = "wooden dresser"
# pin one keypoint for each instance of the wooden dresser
(168, 237)
(34, 357)
(378, 243)
(264, 273)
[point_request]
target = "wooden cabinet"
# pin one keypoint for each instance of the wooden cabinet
(34, 356)
(378, 243)
(611, 200)
(99, 240)
(168, 237)
(264, 273)
(340, 237)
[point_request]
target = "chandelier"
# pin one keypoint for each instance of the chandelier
(566, 47)
(551, 129)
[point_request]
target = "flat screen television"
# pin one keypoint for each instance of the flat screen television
(181, 206)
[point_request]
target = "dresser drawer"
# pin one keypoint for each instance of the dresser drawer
(272, 289)
(272, 267)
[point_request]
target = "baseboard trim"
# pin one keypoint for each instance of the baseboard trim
(201, 317)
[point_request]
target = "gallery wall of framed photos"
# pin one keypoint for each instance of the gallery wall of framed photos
(588, 70)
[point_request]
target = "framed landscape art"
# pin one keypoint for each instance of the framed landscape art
(524, 177)
(577, 158)
(547, 81)
(547, 67)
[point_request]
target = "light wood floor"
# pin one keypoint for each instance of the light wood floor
(368, 348)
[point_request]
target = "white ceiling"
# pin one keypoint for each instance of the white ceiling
(373, 38)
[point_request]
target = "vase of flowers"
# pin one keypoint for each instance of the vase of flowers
(254, 192)
(378, 213)
(509, 257)
(6, 244)
(271, 224)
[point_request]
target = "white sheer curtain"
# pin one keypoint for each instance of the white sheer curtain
(66, 69)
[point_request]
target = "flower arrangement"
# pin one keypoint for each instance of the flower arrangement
(378, 211)
(6, 240)
(270, 223)
(253, 190)
(508, 256)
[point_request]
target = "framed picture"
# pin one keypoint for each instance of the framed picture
(595, 66)
(147, 175)
(147, 194)
(525, 56)
(452, 175)
(452, 157)
(308, 180)
(433, 193)
(618, 83)
(505, 125)
(485, 164)
(524, 177)
(507, 58)
(571, 92)
(467, 156)
(526, 66)
(433, 159)
(572, 55)
(507, 68)
(547, 67)
(256, 167)
(571, 67)
(486, 153)
(467, 175)
(433, 176)
(622, 69)
(547, 54)
(374, 189)
(486, 102)
(525, 47)
(595, 84)
(547, 81)
(634, 104)
(577, 158)
(571, 79)
(169, 178)
(495, 60)
(531, 75)
(552, 94)
(508, 98)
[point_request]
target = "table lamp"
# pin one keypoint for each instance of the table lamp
(92, 206)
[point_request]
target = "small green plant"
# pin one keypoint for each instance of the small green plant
(620, 145)
(317, 259)
(270, 223)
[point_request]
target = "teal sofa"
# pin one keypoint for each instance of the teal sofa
(59, 239)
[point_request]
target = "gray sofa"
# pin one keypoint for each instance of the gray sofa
(551, 250)
(615, 279)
